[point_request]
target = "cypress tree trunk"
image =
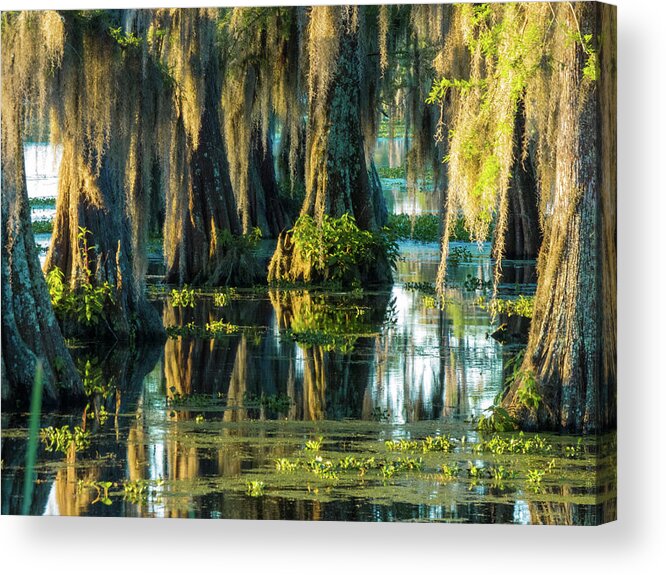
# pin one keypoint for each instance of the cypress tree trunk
(202, 207)
(103, 191)
(293, 182)
(30, 332)
(266, 210)
(377, 195)
(337, 179)
(92, 242)
(571, 350)
(523, 234)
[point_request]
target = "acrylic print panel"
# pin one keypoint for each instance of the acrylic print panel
(349, 263)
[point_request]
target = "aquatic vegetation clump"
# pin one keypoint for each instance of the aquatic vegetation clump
(314, 444)
(62, 438)
(473, 283)
(333, 249)
(459, 254)
(138, 491)
(317, 321)
(322, 468)
(212, 330)
(42, 226)
(495, 418)
(449, 471)
(220, 327)
(101, 489)
(424, 287)
(84, 304)
(254, 488)
(222, 298)
(429, 443)
(522, 306)
(283, 465)
(274, 401)
(42, 202)
(98, 387)
(392, 173)
(89, 300)
(341, 343)
(420, 227)
(499, 444)
(401, 445)
(183, 297)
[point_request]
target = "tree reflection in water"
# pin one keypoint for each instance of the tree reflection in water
(354, 367)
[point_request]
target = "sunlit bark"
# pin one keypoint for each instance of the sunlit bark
(30, 333)
(571, 348)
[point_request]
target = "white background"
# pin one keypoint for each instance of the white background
(634, 544)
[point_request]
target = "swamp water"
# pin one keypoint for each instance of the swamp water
(311, 405)
(305, 404)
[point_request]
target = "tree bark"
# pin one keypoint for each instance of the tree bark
(266, 210)
(30, 332)
(202, 207)
(97, 203)
(571, 348)
(338, 177)
(523, 234)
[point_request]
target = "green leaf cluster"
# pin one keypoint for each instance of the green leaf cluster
(335, 247)
(84, 304)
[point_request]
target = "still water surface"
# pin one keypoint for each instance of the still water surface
(289, 416)
(191, 424)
